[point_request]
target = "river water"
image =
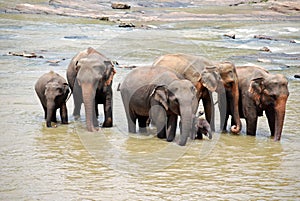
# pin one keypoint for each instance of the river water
(68, 163)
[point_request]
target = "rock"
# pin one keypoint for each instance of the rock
(271, 38)
(149, 26)
(297, 76)
(265, 49)
(264, 60)
(230, 35)
(120, 6)
(125, 24)
(25, 54)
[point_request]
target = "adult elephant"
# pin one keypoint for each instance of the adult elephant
(90, 76)
(163, 96)
(261, 91)
(52, 90)
(191, 66)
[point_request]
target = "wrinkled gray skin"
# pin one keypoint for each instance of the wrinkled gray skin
(53, 90)
(208, 76)
(161, 95)
(261, 91)
(202, 127)
(90, 77)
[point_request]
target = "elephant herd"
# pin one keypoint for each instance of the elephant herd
(172, 86)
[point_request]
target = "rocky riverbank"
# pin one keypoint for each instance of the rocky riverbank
(144, 11)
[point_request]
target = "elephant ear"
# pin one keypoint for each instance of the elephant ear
(210, 78)
(256, 88)
(160, 94)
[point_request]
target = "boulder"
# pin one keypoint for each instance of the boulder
(120, 6)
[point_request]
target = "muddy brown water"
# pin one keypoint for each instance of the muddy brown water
(68, 163)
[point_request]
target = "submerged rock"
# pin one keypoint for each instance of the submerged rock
(125, 24)
(297, 76)
(230, 35)
(25, 54)
(120, 6)
(265, 49)
(271, 38)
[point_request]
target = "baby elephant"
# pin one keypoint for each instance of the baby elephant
(53, 90)
(202, 127)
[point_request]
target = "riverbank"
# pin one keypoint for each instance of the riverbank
(143, 12)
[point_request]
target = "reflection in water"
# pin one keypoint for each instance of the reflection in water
(68, 163)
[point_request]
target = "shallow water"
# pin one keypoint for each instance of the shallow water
(68, 163)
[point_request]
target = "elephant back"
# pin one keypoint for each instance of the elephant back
(189, 66)
(72, 72)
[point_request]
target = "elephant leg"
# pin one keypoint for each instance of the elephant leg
(142, 123)
(171, 127)
(270, 113)
(222, 103)
(209, 109)
(45, 111)
(77, 97)
(96, 109)
(251, 125)
(131, 120)
(53, 118)
(64, 114)
(199, 134)
(161, 133)
(108, 116)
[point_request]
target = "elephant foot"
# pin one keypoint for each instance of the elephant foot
(107, 123)
(76, 117)
(93, 129)
(170, 138)
(199, 136)
(143, 130)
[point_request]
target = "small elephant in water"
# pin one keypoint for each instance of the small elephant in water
(261, 91)
(90, 76)
(163, 96)
(202, 127)
(53, 90)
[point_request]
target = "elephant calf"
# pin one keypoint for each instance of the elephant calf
(53, 90)
(202, 127)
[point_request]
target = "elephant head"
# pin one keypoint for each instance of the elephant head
(93, 74)
(179, 97)
(229, 77)
(210, 78)
(202, 127)
(270, 93)
(55, 93)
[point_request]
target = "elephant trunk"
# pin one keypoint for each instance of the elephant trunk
(236, 115)
(88, 94)
(50, 112)
(209, 133)
(186, 127)
(280, 106)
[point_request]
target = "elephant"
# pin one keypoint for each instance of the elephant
(191, 66)
(162, 96)
(90, 76)
(202, 127)
(261, 91)
(52, 90)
